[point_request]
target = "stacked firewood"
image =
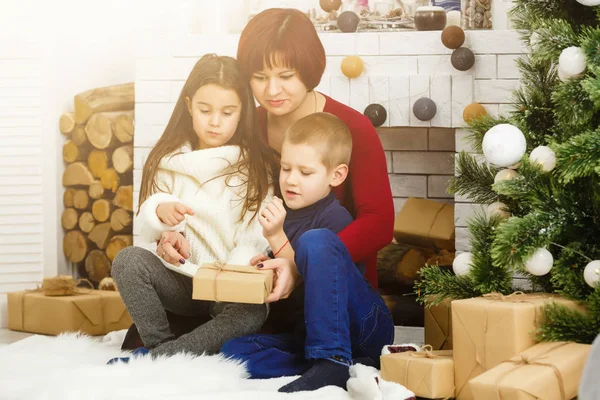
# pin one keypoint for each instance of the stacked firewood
(98, 178)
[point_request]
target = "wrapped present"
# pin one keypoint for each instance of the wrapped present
(429, 374)
(438, 326)
(549, 371)
(232, 283)
(488, 330)
(95, 312)
(425, 223)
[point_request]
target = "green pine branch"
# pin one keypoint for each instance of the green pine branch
(579, 157)
(473, 179)
(437, 284)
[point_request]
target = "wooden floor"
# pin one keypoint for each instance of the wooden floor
(404, 334)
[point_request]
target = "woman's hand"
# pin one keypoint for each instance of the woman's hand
(271, 218)
(173, 247)
(285, 276)
(172, 213)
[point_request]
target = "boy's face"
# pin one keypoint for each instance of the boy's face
(303, 178)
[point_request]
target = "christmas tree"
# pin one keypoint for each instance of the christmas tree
(538, 175)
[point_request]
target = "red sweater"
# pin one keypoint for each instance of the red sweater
(366, 192)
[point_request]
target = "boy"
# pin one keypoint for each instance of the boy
(334, 316)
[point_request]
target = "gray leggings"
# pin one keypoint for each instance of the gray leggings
(148, 289)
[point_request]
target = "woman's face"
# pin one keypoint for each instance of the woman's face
(279, 89)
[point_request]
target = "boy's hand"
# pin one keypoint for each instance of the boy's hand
(272, 217)
(172, 213)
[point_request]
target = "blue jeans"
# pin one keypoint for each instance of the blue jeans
(345, 316)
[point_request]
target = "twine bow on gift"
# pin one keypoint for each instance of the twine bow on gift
(524, 360)
(63, 285)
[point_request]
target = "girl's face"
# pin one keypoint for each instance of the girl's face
(279, 90)
(215, 113)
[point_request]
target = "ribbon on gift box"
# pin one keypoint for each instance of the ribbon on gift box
(65, 285)
(522, 360)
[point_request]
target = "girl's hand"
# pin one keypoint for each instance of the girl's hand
(173, 247)
(285, 276)
(271, 218)
(258, 258)
(172, 213)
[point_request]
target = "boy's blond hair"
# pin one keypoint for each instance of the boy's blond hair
(327, 134)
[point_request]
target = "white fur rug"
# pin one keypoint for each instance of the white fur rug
(73, 367)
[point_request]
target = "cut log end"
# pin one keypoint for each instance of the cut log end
(100, 234)
(97, 265)
(77, 174)
(96, 190)
(124, 197)
(69, 218)
(110, 179)
(87, 222)
(75, 246)
(101, 210)
(66, 123)
(81, 199)
(116, 244)
(121, 220)
(97, 162)
(110, 98)
(68, 197)
(122, 159)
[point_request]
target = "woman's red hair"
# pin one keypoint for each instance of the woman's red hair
(282, 35)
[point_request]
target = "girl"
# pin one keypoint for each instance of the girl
(207, 177)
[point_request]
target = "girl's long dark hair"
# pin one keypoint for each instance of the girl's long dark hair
(258, 162)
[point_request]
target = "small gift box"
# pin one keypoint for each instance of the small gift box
(438, 326)
(549, 371)
(232, 283)
(429, 374)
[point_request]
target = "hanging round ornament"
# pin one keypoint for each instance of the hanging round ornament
(462, 59)
(540, 263)
(473, 111)
(589, 3)
(503, 145)
(330, 5)
(424, 109)
(348, 21)
(462, 263)
(352, 66)
(453, 37)
(505, 175)
(498, 209)
(376, 113)
(591, 273)
(543, 156)
(572, 62)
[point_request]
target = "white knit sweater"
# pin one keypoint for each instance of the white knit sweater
(215, 231)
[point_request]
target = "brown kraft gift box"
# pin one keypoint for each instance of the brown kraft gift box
(96, 312)
(489, 330)
(232, 283)
(438, 326)
(549, 371)
(427, 374)
(425, 223)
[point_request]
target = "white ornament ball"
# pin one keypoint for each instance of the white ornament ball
(562, 76)
(589, 3)
(591, 273)
(505, 175)
(540, 263)
(544, 156)
(572, 61)
(504, 145)
(497, 209)
(462, 263)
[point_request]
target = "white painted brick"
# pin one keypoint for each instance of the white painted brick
(158, 46)
(411, 43)
(462, 199)
(495, 91)
(484, 67)
(419, 87)
(176, 87)
(181, 67)
(408, 185)
(462, 96)
(462, 242)
(492, 109)
(153, 92)
(437, 185)
(324, 86)
(196, 46)
(137, 179)
(149, 69)
(153, 113)
(461, 142)
(139, 156)
(337, 44)
(390, 66)
(441, 94)
(388, 161)
(340, 89)
(333, 66)
(399, 101)
(359, 93)
(494, 42)
(147, 135)
(367, 44)
(506, 109)
(464, 211)
(379, 93)
(507, 67)
(423, 163)
(500, 16)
